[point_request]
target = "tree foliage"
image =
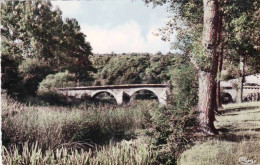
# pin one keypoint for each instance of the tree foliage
(200, 35)
(35, 35)
(136, 69)
(242, 31)
(11, 78)
(58, 80)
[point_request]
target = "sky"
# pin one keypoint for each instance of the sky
(119, 26)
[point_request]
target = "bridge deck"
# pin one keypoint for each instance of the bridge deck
(116, 86)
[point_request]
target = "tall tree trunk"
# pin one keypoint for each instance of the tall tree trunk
(241, 80)
(220, 59)
(207, 76)
(220, 63)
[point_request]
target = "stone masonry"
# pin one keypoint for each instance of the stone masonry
(118, 91)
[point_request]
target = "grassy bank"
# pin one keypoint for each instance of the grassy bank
(238, 142)
(99, 134)
(114, 153)
(109, 134)
(65, 135)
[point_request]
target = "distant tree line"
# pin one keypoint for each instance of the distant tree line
(134, 68)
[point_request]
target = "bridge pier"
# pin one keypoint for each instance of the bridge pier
(162, 101)
(119, 98)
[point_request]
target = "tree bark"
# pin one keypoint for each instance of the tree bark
(207, 76)
(207, 102)
(241, 80)
(220, 63)
(220, 59)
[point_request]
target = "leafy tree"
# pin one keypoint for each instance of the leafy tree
(10, 54)
(242, 28)
(76, 50)
(220, 23)
(205, 56)
(185, 86)
(11, 78)
(159, 68)
(39, 35)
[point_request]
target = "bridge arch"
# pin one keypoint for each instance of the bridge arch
(135, 92)
(111, 94)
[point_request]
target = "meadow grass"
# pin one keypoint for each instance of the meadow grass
(105, 134)
(53, 126)
(238, 142)
(112, 154)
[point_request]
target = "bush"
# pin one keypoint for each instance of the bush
(47, 91)
(172, 127)
(11, 78)
(185, 87)
(172, 132)
(58, 80)
(33, 72)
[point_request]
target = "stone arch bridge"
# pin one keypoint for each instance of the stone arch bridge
(250, 93)
(162, 91)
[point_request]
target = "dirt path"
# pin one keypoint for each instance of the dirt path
(238, 142)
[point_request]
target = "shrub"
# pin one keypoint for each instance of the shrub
(172, 127)
(33, 72)
(58, 80)
(47, 92)
(172, 132)
(185, 87)
(11, 78)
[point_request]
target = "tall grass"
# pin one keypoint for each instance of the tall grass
(53, 126)
(112, 154)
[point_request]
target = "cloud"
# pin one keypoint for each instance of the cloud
(68, 8)
(110, 28)
(124, 38)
